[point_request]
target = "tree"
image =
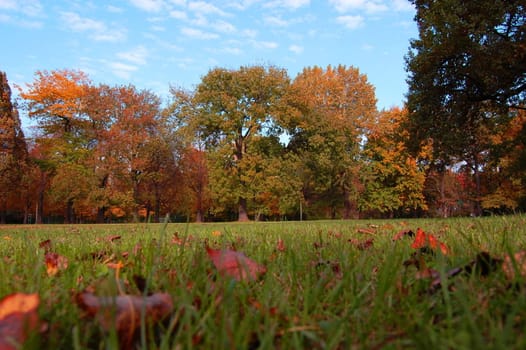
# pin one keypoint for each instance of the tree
(396, 181)
(13, 151)
(235, 107)
(337, 104)
(129, 144)
(57, 100)
(467, 70)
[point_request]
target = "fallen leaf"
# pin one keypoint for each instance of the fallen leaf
(280, 246)
(402, 234)
(514, 265)
(235, 264)
(55, 263)
(368, 231)
(124, 312)
(361, 245)
(18, 318)
(46, 245)
(424, 240)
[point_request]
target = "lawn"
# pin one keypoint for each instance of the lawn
(317, 285)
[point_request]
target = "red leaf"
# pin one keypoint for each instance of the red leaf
(18, 318)
(280, 246)
(235, 264)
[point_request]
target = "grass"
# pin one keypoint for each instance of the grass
(321, 292)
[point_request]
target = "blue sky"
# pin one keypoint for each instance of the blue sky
(153, 44)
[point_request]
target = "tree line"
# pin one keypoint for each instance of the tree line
(253, 143)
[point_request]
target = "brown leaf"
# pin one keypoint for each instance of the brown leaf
(18, 318)
(368, 231)
(55, 263)
(235, 264)
(402, 234)
(514, 265)
(46, 245)
(361, 245)
(124, 312)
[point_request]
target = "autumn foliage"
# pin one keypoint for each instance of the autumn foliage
(247, 143)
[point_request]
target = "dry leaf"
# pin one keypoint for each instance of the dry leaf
(361, 245)
(124, 312)
(55, 263)
(235, 264)
(513, 265)
(18, 318)
(280, 246)
(368, 231)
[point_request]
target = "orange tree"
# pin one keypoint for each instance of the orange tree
(395, 181)
(337, 104)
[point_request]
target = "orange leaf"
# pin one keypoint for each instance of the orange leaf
(18, 318)
(423, 239)
(55, 263)
(235, 264)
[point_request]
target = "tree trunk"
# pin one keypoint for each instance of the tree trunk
(100, 215)
(69, 217)
(199, 216)
(242, 213)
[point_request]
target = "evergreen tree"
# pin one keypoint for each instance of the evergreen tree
(13, 151)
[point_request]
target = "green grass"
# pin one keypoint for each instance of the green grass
(322, 292)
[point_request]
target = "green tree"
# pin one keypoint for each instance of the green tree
(13, 152)
(467, 70)
(236, 107)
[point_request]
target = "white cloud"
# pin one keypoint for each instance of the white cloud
(97, 30)
(137, 55)
(148, 5)
(114, 9)
(32, 8)
(403, 5)
(249, 33)
(79, 24)
(242, 5)
(275, 21)
(198, 34)
(351, 22)
(203, 7)
(296, 49)
(233, 50)
(223, 27)
(370, 6)
(290, 4)
(8, 4)
(181, 15)
(268, 45)
(122, 70)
